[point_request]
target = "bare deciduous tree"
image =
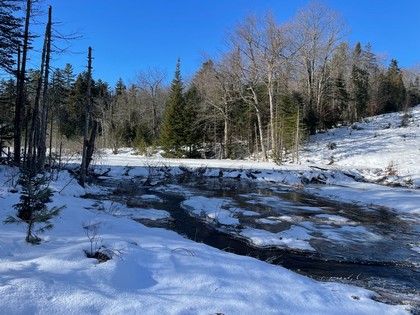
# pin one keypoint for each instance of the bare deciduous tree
(150, 85)
(246, 41)
(317, 31)
(215, 82)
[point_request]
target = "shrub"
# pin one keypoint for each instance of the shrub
(32, 208)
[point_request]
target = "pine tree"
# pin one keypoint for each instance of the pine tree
(10, 34)
(174, 129)
(120, 131)
(72, 114)
(7, 101)
(359, 91)
(32, 208)
(370, 64)
(68, 75)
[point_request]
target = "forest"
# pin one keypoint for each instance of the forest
(272, 86)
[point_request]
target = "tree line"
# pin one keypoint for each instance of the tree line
(272, 86)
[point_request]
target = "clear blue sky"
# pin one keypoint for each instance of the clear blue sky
(128, 36)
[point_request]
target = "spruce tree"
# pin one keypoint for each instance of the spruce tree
(10, 34)
(32, 208)
(359, 88)
(392, 89)
(7, 101)
(174, 128)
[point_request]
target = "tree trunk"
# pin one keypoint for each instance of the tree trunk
(34, 131)
(297, 136)
(43, 130)
(20, 101)
(91, 144)
(226, 132)
(83, 167)
(260, 127)
(272, 118)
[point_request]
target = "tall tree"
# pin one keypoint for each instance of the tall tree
(317, 31)
(215, 83)
(392, 89)
(58, 95)
(118, 118)
(7, 102)
(72, 113)
(42, 147)
(245, 40)
(359, 80)
(21, 76)
(150, 84)
(370, 64)
(274, 53)
(68, 76)
(37, 138)
(174, 129)
(86, 143)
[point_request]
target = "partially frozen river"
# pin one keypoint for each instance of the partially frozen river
(367, 246)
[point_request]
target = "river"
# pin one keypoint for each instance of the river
(369, 247)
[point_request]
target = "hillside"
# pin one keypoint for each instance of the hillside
(382, 145)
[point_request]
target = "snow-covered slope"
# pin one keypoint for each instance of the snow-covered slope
(389, 141)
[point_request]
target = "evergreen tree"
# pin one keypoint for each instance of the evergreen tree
(392, 89)
(413, 92)
(370, 64)
(120, 87)
(120, 130)
(32, 208)
(359, 91)
(72, 114)
(7, 102)
(292, 130)
(174, 129)
(10, 34)
(69, 76)
(339, 98)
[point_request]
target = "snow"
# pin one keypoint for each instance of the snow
(211, 209)
(154, 270)
(373, 145)
(296, 237)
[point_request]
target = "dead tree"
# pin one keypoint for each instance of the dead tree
(84, 165)
(34, 134)
(21, 87)
(42, 148)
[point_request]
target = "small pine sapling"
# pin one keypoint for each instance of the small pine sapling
(32, 208)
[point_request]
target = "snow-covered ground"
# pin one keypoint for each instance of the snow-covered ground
(158, 271)
(374, 145)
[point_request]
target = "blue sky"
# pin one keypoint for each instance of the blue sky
(128, 36)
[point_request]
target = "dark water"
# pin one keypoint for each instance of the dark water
(368, 247)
